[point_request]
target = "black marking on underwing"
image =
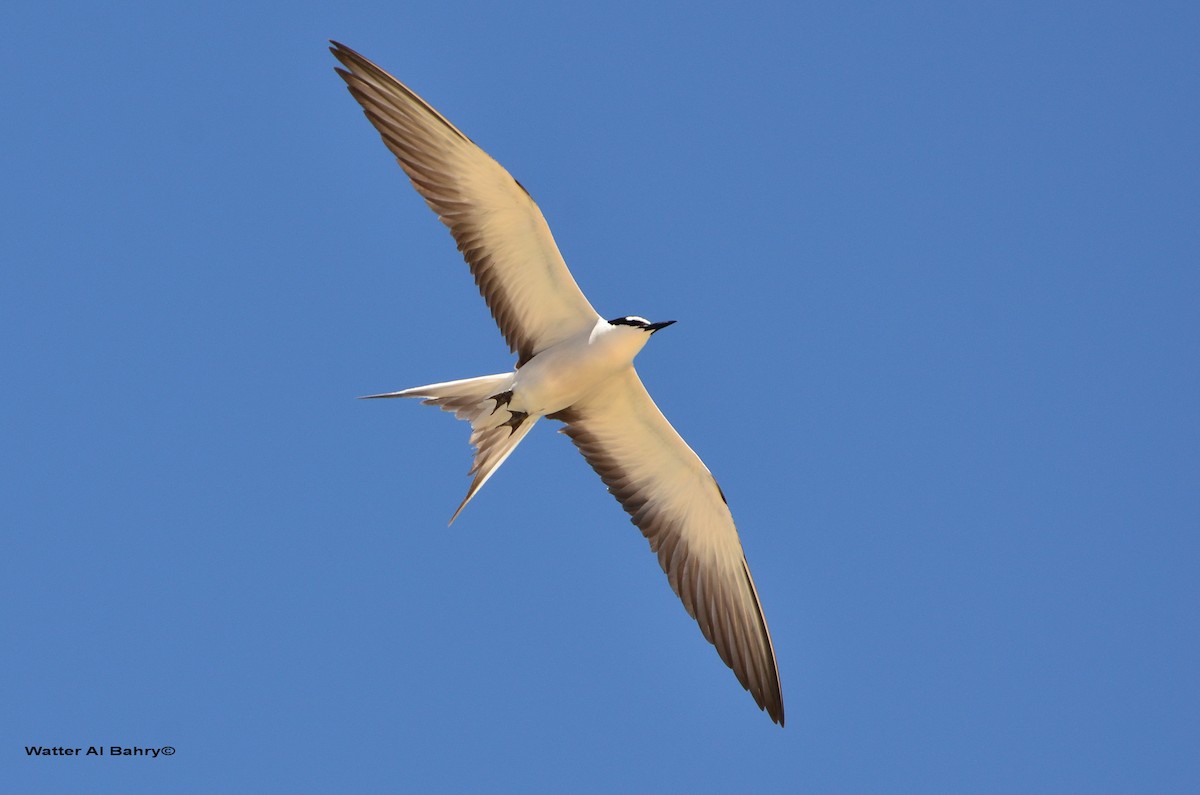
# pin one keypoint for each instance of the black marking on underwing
(502, 399)
(514, 421)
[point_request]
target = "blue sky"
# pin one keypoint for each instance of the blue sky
(936, 275)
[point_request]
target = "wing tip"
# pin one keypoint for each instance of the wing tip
(774, 710)
(342, 52)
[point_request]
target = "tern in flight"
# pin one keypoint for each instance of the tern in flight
(573, 366)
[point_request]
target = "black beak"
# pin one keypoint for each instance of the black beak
(656, 326)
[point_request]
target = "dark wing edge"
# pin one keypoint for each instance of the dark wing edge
(709, 575)
(497, 226)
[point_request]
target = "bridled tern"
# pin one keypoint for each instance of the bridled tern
(573, 366)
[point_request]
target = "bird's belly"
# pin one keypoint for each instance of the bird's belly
(546, 385)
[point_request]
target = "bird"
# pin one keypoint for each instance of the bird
(573, 366)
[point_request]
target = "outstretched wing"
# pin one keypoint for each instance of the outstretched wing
(498, 227)
(674, 500)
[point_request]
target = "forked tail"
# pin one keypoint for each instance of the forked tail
(495, 429)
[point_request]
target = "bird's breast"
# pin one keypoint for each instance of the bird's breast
(559, 376)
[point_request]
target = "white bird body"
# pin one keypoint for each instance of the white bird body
(561, 375)
(573, 366)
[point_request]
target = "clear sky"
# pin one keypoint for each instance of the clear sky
(937, 277)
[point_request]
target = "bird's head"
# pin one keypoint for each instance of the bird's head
(642, 323)
(625, 336)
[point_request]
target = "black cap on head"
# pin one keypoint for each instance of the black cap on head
(639, 322)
